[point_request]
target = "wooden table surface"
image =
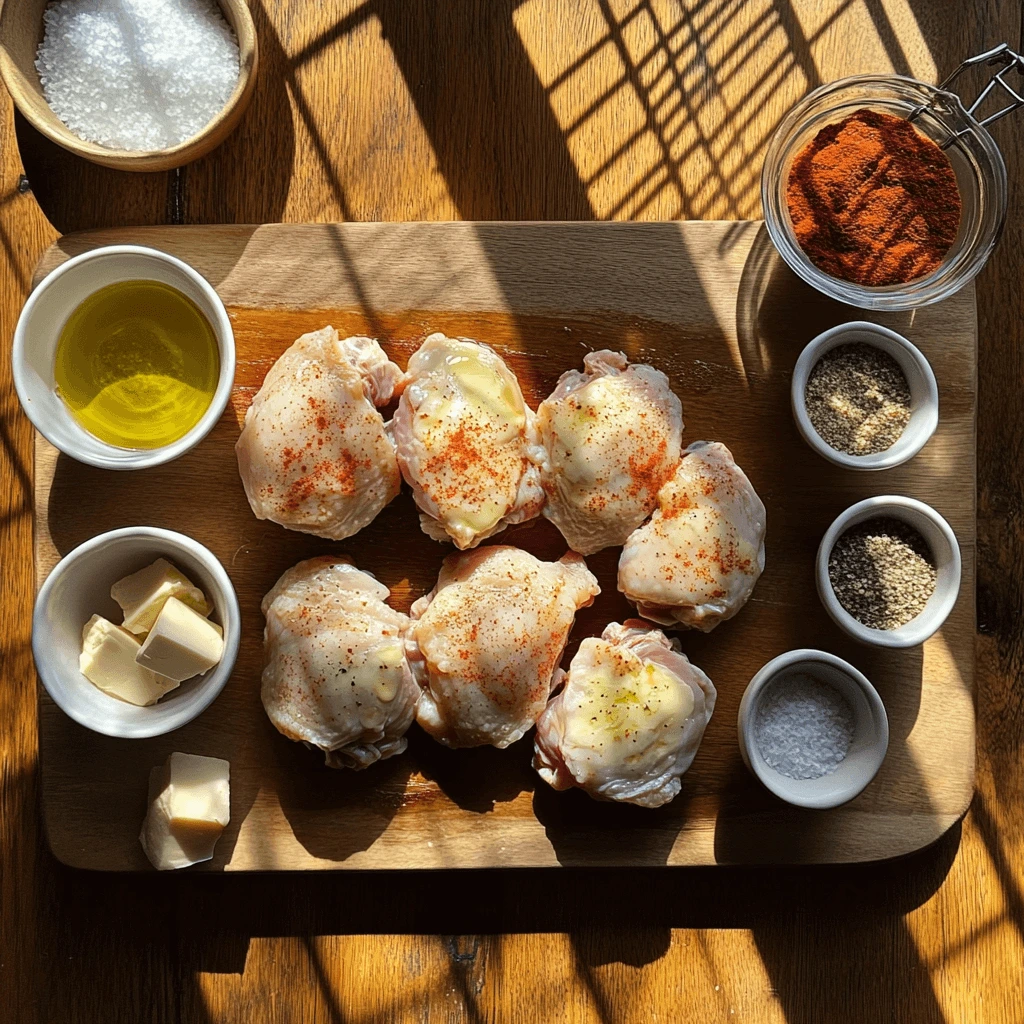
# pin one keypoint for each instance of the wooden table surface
(528, 109)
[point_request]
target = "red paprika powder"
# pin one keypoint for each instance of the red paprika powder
(873, 201)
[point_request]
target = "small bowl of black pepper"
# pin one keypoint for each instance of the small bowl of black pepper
(888, 571)
(864, 397)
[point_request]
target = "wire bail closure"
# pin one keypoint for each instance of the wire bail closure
(1007, 61)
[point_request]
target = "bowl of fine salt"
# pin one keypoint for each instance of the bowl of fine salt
(812, 729)
(138, 85)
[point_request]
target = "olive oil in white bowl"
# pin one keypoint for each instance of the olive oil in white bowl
(137, 364)
(124, 357)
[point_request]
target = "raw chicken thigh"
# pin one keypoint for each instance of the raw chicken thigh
(612, 436)
(467, 442)
(486, 641)
(314, 454)
(697, 560)
(336, 675)
(629, 720)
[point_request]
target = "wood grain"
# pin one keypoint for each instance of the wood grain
(397, 111)
(710, 304)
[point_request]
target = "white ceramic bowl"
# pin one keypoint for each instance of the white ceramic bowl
(939, 536)
(924, 394)
(870, 730)
(47, 310)
(79, 587)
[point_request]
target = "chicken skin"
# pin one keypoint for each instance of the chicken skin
(336, 676)
(486, 641)
(467, 442)
(629, 720)
(315, 454)
(611, 436)
(695, 563)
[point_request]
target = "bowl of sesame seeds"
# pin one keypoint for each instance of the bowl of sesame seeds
(888, 571)
(864, 397)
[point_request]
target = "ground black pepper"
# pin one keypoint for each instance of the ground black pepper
(858, 399)
(882, 572)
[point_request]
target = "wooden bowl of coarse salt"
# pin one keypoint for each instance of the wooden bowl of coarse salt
(153, 83)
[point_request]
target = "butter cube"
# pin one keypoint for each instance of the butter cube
(108, 662)
(189, 806)
(143, 594)
(181, 644)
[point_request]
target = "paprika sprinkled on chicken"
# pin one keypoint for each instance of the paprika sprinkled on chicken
(467, 442)
(336, 676)
(315, 455)
(612, 436)
(696, 561)
(486, 641)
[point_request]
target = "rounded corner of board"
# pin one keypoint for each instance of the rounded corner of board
(52, 257)
(926, 839)
(66, 854)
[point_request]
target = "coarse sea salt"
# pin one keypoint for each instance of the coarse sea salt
(804, 727)
(137, 74)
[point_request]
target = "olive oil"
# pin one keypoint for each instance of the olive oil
(137, 364)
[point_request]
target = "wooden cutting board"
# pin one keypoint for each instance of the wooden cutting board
(711, 305)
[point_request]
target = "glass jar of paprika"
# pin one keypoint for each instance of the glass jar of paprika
(973, 158)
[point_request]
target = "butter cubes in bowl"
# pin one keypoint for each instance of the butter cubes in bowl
(167, 613)
(136, 631)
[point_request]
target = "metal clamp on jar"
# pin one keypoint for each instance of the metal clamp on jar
(940, 115)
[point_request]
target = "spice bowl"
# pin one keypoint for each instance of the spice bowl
(79, 586)
(945, 551)
(869, 728)
(924, 394)
(21, 32)
(39, 328)
(940, 116)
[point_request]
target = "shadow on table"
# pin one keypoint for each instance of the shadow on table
(335, 814)
(475, 779)
(777, 314)
(217, 915)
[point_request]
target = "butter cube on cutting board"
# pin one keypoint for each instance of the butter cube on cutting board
(143, 594)
(189, 807)
(181, 643)
(108, 661)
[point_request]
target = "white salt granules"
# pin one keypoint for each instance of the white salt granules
(803, 727)
(137, 74)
